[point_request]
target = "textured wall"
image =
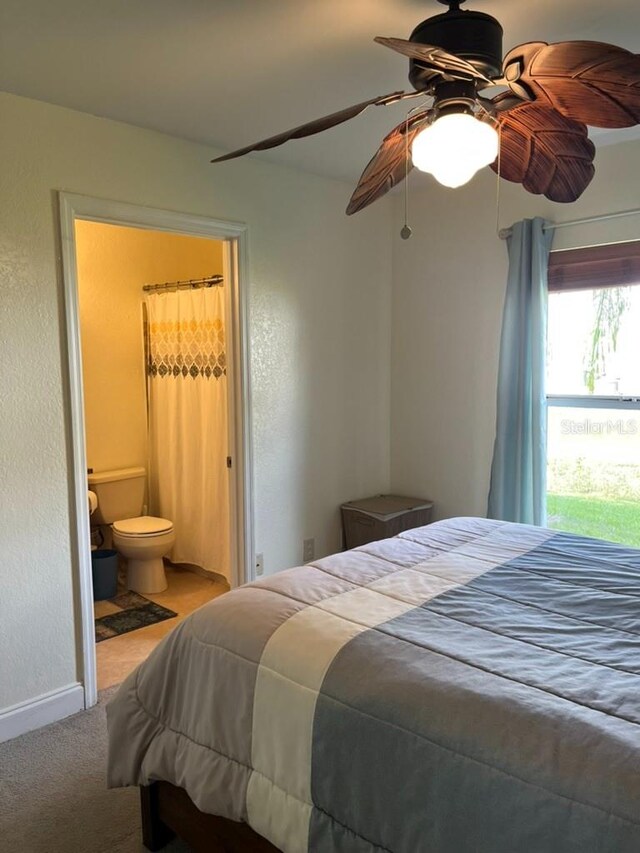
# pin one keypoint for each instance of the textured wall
(113, 264)
(449, 283)
(320, 339)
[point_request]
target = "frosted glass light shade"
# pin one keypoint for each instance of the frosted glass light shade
(454, 148)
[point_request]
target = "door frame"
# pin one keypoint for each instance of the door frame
(242, 546)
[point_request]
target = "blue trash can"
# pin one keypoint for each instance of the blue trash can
(104, 571)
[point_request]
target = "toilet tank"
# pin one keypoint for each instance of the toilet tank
(120, 494)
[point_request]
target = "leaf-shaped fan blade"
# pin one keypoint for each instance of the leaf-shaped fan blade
(591, 82)
(545, 151)
(318, 125)
(389, 165)
(434, 58)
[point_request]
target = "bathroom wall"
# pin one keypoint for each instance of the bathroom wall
(113, 264)
(320, 299)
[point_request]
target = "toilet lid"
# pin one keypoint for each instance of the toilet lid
(144, 525)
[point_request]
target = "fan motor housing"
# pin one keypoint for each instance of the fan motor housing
(474, 36)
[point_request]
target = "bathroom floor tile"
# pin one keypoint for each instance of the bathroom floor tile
(118, 656)
(104, 608)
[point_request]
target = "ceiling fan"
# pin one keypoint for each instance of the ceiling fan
(533, 132)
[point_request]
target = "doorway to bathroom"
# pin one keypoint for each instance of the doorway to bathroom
(156, 322)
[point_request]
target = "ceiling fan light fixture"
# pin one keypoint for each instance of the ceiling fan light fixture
(550, 93)
(454, 148)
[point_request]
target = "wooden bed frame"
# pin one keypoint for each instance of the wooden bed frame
(168, 811)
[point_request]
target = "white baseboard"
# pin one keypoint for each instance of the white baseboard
(45, 709)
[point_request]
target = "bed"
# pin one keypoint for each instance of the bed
(472, 686)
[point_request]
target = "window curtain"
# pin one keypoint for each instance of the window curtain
(518, 473)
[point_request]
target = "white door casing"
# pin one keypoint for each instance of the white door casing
(242, 547)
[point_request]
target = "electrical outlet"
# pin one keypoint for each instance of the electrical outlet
(259, 564)
(308, 550)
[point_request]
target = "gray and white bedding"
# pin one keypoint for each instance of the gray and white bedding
(468, 687)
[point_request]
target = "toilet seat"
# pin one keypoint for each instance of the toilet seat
(142, 527)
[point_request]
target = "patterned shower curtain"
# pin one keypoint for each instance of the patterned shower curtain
(187, 387)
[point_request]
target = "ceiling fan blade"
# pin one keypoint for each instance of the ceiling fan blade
(546, 152)
(389, 165)
(591, 82)
(318, 125)
(439, 61)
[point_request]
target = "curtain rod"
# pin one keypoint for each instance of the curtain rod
(187, 284)
(506, 232)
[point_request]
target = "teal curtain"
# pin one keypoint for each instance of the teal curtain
(518, 473)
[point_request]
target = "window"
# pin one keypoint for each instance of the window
(593, 384)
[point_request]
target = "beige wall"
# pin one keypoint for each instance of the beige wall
(113, 264)
(449, 282)
(320, 301)
(320, 352)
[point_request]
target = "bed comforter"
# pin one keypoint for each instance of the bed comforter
(470, 686)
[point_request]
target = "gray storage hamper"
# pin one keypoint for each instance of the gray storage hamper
(381, 517)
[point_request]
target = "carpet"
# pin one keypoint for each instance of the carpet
(129, 612)
(53, 794)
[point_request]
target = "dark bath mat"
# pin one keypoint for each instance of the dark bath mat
(135, 611)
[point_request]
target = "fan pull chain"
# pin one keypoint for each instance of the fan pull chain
(498, 179)
(406, 232)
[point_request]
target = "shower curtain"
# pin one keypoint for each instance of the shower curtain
(187, 398)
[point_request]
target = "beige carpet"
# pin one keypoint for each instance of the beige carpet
(53, 796)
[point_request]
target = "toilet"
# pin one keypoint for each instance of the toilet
(143, 539)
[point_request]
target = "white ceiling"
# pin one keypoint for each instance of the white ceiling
(230, 72)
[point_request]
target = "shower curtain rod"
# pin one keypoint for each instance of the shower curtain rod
(187, 284)
(553, 226)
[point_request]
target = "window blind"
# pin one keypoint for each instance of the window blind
(613, 265)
